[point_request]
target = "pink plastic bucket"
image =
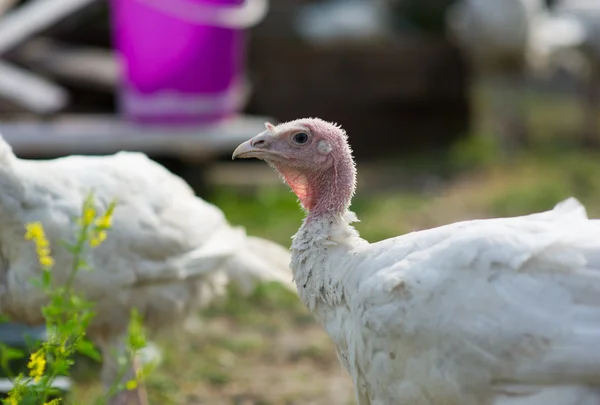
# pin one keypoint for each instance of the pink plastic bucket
(182, 60)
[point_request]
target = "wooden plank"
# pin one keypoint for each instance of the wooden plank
(33, 17)
(249, 14)
(91, 67)
(102, 134)
(30, 91)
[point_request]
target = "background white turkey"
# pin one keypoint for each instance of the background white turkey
(568, 37)
(499, 311)
(512, 41)
(495, 36)
(168, 252)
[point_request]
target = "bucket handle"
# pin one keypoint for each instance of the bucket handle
(240, 17)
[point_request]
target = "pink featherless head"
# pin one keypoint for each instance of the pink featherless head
(314, 158)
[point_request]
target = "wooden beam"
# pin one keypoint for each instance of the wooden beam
(95, 68)
(102, 134)
(246, 16)
(33, 17)
(32, 92)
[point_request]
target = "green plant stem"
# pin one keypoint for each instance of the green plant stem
(77, 257)
(66, 295)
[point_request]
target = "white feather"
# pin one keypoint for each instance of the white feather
(502, 311)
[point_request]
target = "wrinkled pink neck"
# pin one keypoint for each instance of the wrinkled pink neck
(330, 195)
(323, 193)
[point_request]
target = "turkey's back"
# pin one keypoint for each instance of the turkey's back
(163, 236)
(495, 312)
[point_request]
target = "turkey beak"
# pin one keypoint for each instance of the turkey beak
(257, 147)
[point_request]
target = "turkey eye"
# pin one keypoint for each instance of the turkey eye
(300, 138)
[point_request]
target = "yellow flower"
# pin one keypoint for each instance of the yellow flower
(42, 251)
(37, 365)
(131, 385)
(55, 401)
(42, 242)
(35, 232)
(89, 214)
(46, 261)
(98, 239)
(105, 221)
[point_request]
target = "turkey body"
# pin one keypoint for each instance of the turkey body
(479, 312)
(168, 251)
(499, 311)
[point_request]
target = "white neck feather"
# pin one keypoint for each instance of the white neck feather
(319, 279)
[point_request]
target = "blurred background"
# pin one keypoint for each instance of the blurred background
(456, 109)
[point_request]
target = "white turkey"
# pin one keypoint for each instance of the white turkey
(495, 36)
(499, 311)
(569, 38)
(168, 251)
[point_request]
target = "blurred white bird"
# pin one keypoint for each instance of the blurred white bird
(568, 37)
(495, 36)
(334, 20)
(487, 312)
(510, 39)
(168, 251)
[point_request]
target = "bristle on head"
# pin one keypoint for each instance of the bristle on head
(321, 171)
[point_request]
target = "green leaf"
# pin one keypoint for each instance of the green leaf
(136, 336)
(61, 366)
(6, 355)
(145, 370)
(87, 348)
(111, 207)
(83, 265)
(10, 353)
(46, 278)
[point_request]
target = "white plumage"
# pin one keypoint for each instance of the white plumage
(484, 312)
(463, 313)
(168, 252)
